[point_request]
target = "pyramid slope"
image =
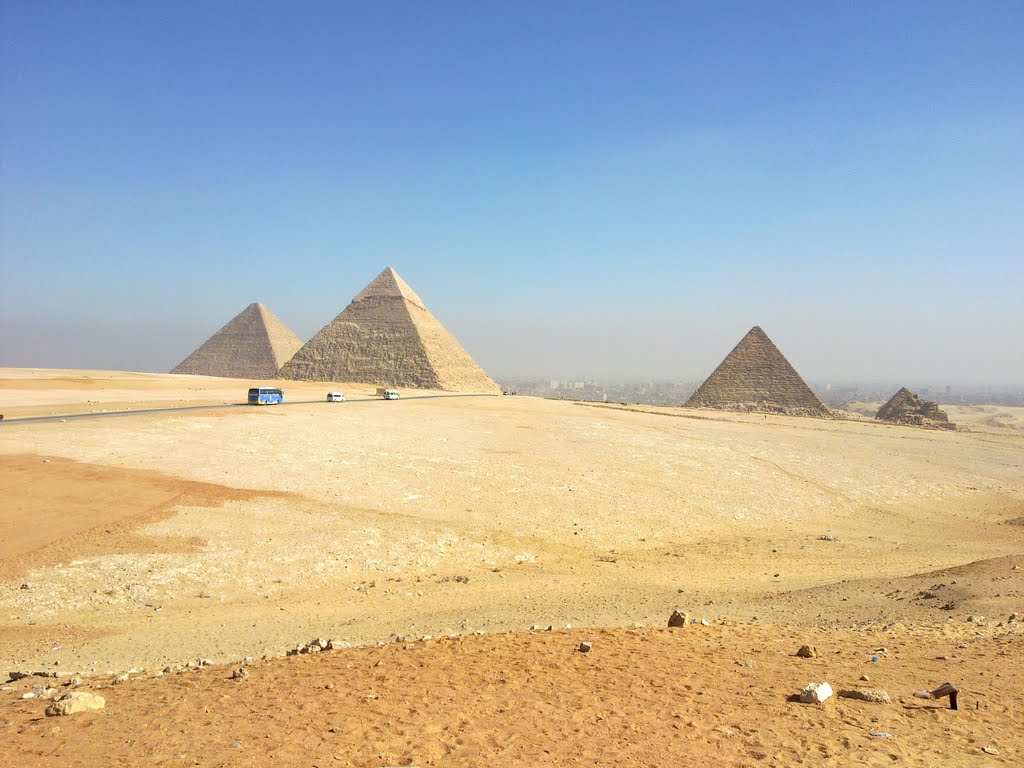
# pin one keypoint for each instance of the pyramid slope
(252, 345)
(905, 407)
(386, 336)
(755, 376)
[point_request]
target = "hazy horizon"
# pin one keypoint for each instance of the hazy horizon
(583, 189)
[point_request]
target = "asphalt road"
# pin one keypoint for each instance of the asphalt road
(184, 408)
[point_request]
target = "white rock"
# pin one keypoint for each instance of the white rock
(815, 693)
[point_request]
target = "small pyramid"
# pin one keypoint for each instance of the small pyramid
(253, 345)
(756, 376)
(905, 407)
(387, 337)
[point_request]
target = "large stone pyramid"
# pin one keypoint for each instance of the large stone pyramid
(905, 407)
(253, 345)
(755, 376)
(387, 337)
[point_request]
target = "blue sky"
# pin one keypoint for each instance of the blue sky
(584, 189)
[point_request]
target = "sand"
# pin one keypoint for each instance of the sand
(160, 538)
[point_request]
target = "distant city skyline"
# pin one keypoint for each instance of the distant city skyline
(588, 189)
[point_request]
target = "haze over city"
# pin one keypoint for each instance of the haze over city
(584, 189)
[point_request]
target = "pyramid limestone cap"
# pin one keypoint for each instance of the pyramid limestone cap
(388, 285)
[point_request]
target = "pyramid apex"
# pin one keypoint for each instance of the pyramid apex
(388, 285)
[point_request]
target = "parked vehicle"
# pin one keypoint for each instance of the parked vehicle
(265, 396)
(335, 397)
(391, 394)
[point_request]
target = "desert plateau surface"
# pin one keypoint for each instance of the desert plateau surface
(495, 576)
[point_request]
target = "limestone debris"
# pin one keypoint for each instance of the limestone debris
(905, 407)
(815, 693)
(75, 702)
(253, 345)
(755, 376)
(387, 337)
(808, 652)
(874, 695)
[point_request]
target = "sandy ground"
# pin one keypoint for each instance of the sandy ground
(151, 540)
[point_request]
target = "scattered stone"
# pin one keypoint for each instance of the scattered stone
(585, 647)
(990, 750)
(50, 673)
(204, 663)
(1013, 617)
(880, 735)
(678, 619)
(74, 681)
(874, 695)
(123, 678)
(167, 670)
(240, 674)
(75, 702)
(535, 627)
(235, 744)
(808, 652)
(816, 693)
(826, 537)
(865, 679)
(24, 586)
(17, 675)
(705, 623)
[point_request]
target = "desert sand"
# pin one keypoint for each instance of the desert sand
(144, 542)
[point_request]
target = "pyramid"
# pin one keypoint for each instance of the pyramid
(253, 345)
(387, 337)
(755, 376)
(907, 408)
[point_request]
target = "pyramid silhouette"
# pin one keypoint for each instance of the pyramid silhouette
(387, 337)
(253, 345)
(756, 376)
(905, 407)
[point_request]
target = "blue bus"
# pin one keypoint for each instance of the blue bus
(265, 396)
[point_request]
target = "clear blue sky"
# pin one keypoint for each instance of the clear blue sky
(576, 189)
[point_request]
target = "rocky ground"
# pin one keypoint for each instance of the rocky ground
(131, 545)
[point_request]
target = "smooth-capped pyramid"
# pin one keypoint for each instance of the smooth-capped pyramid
(905, 407)
(387, 337)
(253, 345)
(756, 376)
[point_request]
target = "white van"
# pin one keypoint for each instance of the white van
(335, 397)
(391, 394)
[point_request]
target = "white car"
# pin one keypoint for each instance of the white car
(391, 394)
(335, 397)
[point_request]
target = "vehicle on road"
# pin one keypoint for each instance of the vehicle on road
(335, 397)
(391, 394)
(265, 396)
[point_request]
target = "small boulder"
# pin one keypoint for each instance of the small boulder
(808, 652)
(240, 674)
(816, 693)
(874, 695)
(585, 647)
(678, 619)
(123, 678)
(75, 702)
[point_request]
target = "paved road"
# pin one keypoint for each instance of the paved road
(184, 408)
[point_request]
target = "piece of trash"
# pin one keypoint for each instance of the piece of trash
(944, 690)
(880, 735)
